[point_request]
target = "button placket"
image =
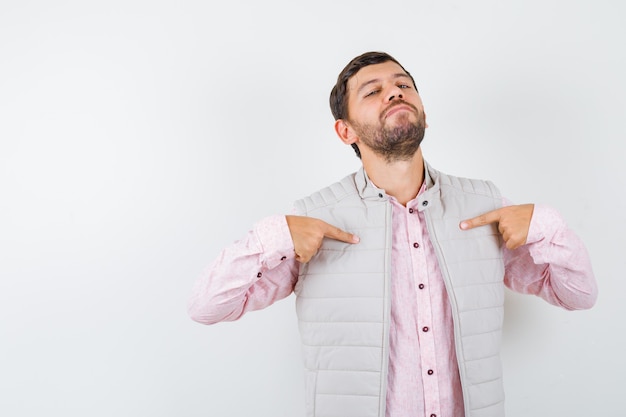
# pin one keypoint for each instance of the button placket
(423, 303)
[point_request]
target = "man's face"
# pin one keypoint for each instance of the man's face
(385, 111)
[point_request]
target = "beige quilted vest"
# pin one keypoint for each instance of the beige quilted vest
(343, 295)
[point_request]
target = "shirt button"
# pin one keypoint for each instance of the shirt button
(410, 210)
(425, 328)
(425, 203)
(380, 195)
(421, 286)
(433, 415)
(416, 245)
(430, 372)
(283, 258)
(259, 275)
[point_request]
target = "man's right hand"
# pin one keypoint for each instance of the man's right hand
(308, 233)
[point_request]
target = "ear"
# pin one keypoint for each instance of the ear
(425, 122)
(345, 132)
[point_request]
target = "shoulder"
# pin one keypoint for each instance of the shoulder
(464, 184)
(327, 196)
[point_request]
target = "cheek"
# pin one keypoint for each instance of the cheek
(365, 113)
(371, 114)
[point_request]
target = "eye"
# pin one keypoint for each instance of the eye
(404, 86)
(371, 93)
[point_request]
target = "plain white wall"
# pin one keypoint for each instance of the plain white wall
(137, 138)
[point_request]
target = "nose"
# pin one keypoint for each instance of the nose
(396, 93)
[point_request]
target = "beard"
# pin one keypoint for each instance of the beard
(393, 143)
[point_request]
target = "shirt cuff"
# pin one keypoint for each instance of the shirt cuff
(275, 239)
(545, 223)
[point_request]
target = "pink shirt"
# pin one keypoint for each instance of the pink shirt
(423, 378)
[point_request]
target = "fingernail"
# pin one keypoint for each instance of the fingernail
(356, 239)
(464, 225)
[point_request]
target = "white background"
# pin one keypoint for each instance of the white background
(137, 138)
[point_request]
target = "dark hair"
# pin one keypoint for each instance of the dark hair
(339, 93)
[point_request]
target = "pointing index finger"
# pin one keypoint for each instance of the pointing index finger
(336, 233)
(485, 218)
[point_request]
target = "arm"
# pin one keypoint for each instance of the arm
(251, 274)
(260, 269)
(542, 256)
(553, 264)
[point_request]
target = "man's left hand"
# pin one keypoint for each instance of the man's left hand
(513, 223)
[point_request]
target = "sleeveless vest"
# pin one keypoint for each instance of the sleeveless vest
(343, 300)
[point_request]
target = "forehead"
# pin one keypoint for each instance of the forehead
(376, 72)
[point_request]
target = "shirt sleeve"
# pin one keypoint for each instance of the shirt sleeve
(251, 274)
(553, 264)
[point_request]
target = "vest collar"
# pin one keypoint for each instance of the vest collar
(431, 195)
(368, 191)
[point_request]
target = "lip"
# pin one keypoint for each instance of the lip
(396, 109)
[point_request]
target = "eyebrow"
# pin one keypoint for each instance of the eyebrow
(376, 80)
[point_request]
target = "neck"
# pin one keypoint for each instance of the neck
(400, 179)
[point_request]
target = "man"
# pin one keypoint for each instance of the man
(399, 269)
